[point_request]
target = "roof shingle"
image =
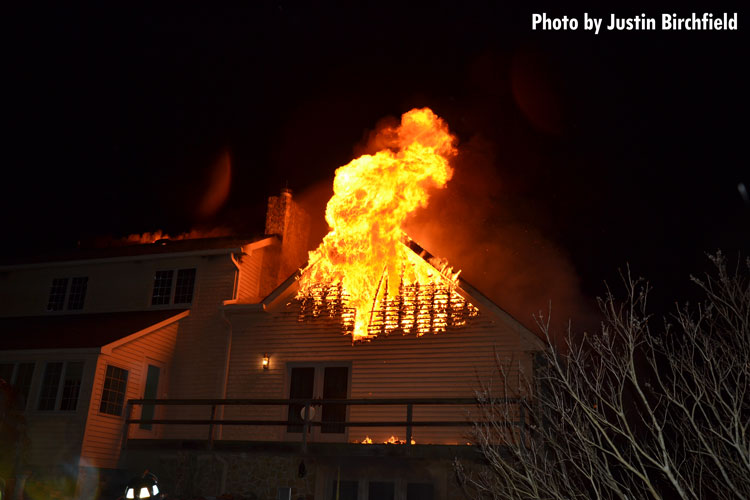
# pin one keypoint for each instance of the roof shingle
(76, 331)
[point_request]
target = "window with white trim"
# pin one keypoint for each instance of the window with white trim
(19, 376)
(168, 290)
(61, 386)
(72, 289)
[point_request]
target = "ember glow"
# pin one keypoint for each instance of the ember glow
(153, 237)
(391, 440)
(396, 440)
(363, 271)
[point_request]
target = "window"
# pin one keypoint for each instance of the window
(162, 287)
(381, 490)
(74, 289)
(50, 385)
(183, 293)
(22, 382)
(61, 385)
(18, 375)
(113, 395)
(344, 490)
(57, 294)
(167, 290)
(77, 293)
(71, 386)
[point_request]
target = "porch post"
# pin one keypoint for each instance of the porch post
(305, 426)
(409, 409)
(128, 416)
(211, 428)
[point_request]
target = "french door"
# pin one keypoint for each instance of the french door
(319, 381)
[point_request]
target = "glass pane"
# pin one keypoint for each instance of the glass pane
(335, 383)
(23, 382)
(71, 386)
(300, 387)
(77, 293)
(183, 292)
(50, 384)
(113, 395)
(344, 490)
(162, 287)
(57, 294)
(381, 490)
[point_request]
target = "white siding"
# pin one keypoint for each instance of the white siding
(103, 438)
(112, 286)
(201, 350)
(251, 267)
(448, 365)
(55, 436)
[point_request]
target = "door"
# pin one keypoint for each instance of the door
(153, 388)
(319, 381)
(301, 386)
(335, 386)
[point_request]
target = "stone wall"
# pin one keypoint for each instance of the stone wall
(258, 475)
(250, 476)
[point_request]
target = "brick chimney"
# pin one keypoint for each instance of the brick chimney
(291, 224)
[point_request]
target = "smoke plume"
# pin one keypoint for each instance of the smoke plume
(476, 224)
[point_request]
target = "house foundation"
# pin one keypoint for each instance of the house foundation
(271, 471)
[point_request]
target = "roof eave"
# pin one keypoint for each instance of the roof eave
(57, 350)
(107, 348)
(146, 256)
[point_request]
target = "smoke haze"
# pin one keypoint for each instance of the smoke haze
(478, 225)
(482, 227)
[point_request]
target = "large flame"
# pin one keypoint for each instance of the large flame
(364, 253)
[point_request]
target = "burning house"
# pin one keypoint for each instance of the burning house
(247, 365)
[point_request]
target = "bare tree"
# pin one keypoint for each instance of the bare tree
(633, 411)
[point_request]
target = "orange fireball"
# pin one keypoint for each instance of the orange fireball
(364, 252)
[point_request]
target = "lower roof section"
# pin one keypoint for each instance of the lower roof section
(77, 331)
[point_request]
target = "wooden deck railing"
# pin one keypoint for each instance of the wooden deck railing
(307, 418)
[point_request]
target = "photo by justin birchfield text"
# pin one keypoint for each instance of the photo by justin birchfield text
(706, 21)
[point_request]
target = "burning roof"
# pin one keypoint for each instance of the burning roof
(364, 270)
(417, 307)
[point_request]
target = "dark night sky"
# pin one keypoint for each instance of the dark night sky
(621, 147)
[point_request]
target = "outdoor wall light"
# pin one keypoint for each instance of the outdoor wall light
(143, 486)
(266, 361)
